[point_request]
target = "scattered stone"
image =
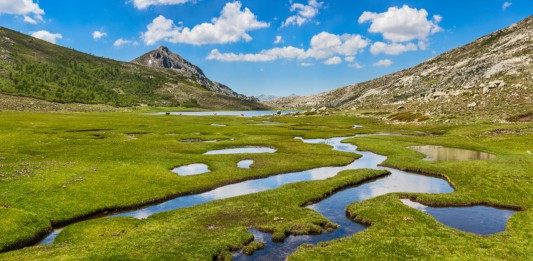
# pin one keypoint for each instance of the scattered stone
(313, 110)
(486, 90)
(211, 227)
(116, 234)
(278, 218)
(101, 235)
(469, 86)
(472, 105)
(496, 84)
(407, 219)
(2, 158)
(439, 94)
(400, 108)
(322, 109)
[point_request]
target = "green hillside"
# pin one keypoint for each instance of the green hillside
(34, 68)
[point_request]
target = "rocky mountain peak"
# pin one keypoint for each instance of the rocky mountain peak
(163, 57)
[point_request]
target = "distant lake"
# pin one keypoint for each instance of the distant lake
(227, 113)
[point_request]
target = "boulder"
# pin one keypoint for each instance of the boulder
(496, 84)
(472, 105)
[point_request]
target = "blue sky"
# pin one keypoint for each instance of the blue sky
(321, 45)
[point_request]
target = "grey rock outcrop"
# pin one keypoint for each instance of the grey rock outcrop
(163, 57)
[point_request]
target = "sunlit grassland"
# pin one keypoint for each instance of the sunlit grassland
(57, 168)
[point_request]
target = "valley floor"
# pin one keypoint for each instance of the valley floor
(56, 169)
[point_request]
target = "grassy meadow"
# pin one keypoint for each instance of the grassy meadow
(57, 168)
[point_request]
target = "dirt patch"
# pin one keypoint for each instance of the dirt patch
(89, 130)
(504, 132)
(526, 117)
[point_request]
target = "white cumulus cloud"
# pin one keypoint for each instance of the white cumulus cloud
(143, 4)
(356, 66)
(22, 7)
(232, 26)
(333, 60)
(121, 42)
(97, 35)
(323, 46)
(402, 24)
(304, 13)
(392, 48)
(383, 63)
(47, 36)
(278, 40)
(506, 5)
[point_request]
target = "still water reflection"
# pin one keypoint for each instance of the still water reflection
(438, 153)
(193, 169)
(244, 150)
(245, 164)
(479, 220)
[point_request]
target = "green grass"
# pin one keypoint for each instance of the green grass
(55, 168)
(503, 181)
(34, 68)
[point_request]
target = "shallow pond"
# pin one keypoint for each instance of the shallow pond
(229, 113)
(245, 164)
(439, 153)
(333, 208)
(192, 169)
(479, 220)
(243, 150)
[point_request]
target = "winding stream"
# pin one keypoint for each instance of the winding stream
(333, 208)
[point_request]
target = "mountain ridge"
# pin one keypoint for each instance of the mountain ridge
(163, 57)
(491, 75)
(33, 68)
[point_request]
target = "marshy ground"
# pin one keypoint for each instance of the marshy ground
(59, 168)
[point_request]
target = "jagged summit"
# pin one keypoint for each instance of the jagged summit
(163, 57)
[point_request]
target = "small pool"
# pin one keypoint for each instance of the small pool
(192, 169)
(245, 164)
(242, 150)
(439, 153)
(479, 220)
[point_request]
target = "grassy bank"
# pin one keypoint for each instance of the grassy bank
(503, 181)
(56, 168)
(63, 167)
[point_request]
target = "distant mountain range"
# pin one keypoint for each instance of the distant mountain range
(33, 68)
(266, 98)
(490, 76)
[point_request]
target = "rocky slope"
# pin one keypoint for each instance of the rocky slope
(162, 57)
(492, 76)
(36, 69)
